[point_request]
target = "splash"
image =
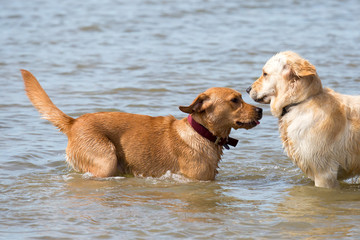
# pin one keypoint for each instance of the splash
(89, 176)
(170, 177)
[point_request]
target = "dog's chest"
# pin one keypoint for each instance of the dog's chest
(295, 131)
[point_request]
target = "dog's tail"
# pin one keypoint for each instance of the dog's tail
(44, 105)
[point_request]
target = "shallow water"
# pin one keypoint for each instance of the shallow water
(150, 57)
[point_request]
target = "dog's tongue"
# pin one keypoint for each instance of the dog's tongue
(257, 122)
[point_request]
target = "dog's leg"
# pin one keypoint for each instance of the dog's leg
(198, 169)
(327, 180)
(97, 156)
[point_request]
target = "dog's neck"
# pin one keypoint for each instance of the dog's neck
(204, 132)
(311, 91)
(286, 109)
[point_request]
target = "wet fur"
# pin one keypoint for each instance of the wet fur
(322, 133)
(112, 143)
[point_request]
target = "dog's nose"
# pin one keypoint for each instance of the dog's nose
(259, 111)
(248, 89)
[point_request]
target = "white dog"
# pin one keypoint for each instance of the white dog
(319, 128)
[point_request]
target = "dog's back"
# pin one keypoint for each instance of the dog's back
(351, 103)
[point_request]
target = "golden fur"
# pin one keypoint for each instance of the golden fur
(319, 128)
(112, 143)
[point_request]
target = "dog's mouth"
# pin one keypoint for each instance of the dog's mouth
(264, 100)
(247, 125)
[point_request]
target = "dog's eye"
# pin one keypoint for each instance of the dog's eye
(265, 74)
(235, 100)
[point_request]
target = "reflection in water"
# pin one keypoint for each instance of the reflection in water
(163, 203)
(166, 193)
(308, 211)
(200, 202)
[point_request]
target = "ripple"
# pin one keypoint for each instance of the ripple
(134, 68)
(117, 90)
(91, 28)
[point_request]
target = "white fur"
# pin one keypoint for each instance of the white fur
(321, 134)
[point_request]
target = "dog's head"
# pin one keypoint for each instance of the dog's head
(220, 109)
(286, 79)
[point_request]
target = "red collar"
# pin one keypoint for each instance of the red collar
(203, 131)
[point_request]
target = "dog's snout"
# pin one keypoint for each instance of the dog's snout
(248, 89)
(259, 112)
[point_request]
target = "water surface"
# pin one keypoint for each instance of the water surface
(149, 57)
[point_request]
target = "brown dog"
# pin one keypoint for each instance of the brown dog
(112, 143)
(320, 128)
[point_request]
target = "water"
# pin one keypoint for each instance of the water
(150, 57)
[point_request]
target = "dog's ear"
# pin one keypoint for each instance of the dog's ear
(198, 105)
(288, 72)
(303, 79)
(303, 68)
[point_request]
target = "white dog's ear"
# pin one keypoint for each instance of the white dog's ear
(198, 105)
(288, 72)
(303, 68)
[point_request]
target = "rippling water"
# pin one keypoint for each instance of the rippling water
(150, 57)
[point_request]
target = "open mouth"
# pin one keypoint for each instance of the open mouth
(247, 125)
